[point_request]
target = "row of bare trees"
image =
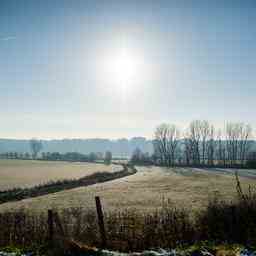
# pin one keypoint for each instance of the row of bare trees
(202, 144)
(166, 143)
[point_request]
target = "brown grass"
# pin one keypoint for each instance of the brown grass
(18, 194)
(144, 191)
(131, 230)
(28, 173)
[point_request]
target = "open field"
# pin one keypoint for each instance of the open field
(186, 187)
(27, 173)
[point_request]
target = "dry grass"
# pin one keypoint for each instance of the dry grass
(131, 230)
(126, 231)
(28, 173)
(18, 194)
(165, 224)
(145, 191)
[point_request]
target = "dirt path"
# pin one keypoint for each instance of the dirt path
(247, 173)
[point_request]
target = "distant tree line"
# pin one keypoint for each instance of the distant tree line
(56, 156)
(78, 157)
(120, 148)
(15, 155)
(36, 146)
(201, 144)
(141, 158)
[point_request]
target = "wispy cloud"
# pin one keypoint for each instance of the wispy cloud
(7, 38)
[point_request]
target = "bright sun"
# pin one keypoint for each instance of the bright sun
(122, 68)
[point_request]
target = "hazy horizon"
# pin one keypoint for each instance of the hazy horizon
(117, 69)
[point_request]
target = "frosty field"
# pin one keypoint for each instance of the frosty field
(27, 173)
(145, 190)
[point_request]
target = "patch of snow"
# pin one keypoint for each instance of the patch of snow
(159, 252)
(9, 254)
(246, 252)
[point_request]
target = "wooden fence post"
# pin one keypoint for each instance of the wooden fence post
(101, 222)
(58, 224)
(50, 225)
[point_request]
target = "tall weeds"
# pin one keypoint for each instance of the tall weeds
(233, 221)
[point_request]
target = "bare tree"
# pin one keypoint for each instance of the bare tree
(237, 146)
(221, 151)
(160, 143)
(201, 144)
(107, 157)
(187, 150)
(205, 130)
(136, 155)
(211, 145)
(245, 131)
(36, 146)
(194, 135)
(166, 143)
(173, 140)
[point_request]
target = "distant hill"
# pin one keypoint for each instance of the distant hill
(119, 147)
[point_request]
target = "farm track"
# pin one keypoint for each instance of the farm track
(190, 171)
(18, 194)
(246, 173)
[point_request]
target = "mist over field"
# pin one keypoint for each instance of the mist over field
(119, 148)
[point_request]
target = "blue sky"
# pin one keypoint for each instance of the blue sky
(196, 60)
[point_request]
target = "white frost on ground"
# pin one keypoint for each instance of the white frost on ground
(159, 252)
(9, 254)
(14, 254)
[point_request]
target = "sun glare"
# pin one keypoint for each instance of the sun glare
(122, 69)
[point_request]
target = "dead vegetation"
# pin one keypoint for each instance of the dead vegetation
(130, 230)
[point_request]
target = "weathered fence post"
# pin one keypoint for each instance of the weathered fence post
(101, 222)
(50, 225)
(58, 224)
